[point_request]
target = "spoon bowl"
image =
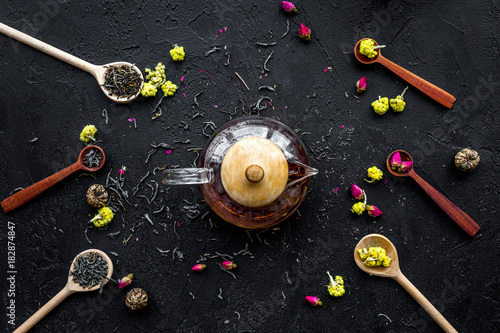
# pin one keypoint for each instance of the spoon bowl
(97, 71)
(434, 92)
(458, 215)
(376, 240)
(362, 58)
(394, 272)
(91, 159)
(70, 288)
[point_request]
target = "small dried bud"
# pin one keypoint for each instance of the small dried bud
(395, 161)
(357, 192)
(229, 265)
(126, 281)
(313, 300)
(406, 166)
(467, 159)
(373, 211)
(199, 267)
(289, 7)
(361, 85)
(304, 32)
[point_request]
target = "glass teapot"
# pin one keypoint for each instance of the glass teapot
(254, 172)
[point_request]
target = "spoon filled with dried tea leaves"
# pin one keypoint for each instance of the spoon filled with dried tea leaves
(120, 81)
(91, 159)
(90, 270)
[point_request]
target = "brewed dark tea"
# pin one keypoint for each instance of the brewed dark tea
(123, 81)
(92, 159)
(89, 270)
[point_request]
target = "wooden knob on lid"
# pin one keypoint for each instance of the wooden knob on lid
(254, 172)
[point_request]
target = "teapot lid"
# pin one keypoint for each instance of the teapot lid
(254, 172)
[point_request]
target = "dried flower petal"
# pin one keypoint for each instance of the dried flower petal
(229, 265)
(313, 300)
(289, 7)
(357, 192)
(373, 211)
(199, 267)
(304, 32)
(361, 85)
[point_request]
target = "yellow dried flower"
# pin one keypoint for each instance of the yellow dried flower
(381, 105)
(367, 48)
(103, 217)
(336, 286)
(148, 90)
(168, 88)
(177, 53)
(374, 256)
(88, 133)
(374, 174)
(358, 208)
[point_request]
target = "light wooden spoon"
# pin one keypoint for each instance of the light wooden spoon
(96, 70)
(394, 272)
(70, 288)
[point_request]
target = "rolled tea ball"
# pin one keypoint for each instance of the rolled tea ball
(136, 299)
(97, 196)
(466, 159)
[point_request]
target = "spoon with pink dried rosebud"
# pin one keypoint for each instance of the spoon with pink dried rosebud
(400, 164)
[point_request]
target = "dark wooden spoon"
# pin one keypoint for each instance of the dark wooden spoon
(436, 93)
(458, 215)
(23, 196)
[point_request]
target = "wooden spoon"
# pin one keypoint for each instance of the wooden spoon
(23, 196)
(394, 272)
(436, 93)
(70, 288)
(458, 215)
(96, 70)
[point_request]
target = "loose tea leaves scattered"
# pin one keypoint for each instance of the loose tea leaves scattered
(90, 270)
(123, 81)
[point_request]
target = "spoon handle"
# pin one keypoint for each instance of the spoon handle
(43, 311)
(434, 92)
(49, 49)
(458, 215)
(424, 302)
(23, 196)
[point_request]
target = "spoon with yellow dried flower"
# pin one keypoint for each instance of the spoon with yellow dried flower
(91, 159)
(376, 255)
(120, 81)
(90, 270)
(400, 164)
(367, 51)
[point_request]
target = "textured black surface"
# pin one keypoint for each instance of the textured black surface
(451, 44)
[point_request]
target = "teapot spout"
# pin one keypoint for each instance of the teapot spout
(299, 173)
(188, 176)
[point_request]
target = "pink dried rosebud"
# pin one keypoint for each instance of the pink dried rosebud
(361, 85)
(313, 300)
(373, 211)
(126, 281)
(229, 265)
(199, 267)
(406, 165)
(289, 7)
(304, 32)
(395, 161)
(357, 192)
